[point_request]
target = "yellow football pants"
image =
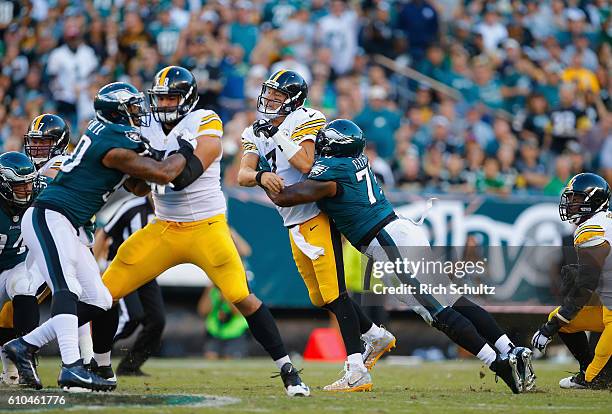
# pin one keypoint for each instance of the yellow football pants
(594, 319)
(324, 277)
(161, 245)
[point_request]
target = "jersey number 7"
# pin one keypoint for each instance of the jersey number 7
(365, 173)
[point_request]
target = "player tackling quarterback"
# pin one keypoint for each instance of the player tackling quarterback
(344, 187)
(285, 138)
(190, 224)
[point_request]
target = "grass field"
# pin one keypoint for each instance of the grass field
(197, 386)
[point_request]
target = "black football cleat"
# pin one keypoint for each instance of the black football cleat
(525, 366)
(23, 356)
(105, 372)
(75, 378)
(506, 367)
(294, 386)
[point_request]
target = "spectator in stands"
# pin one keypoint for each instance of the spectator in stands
(454, 178)
(492, 29)
(338, 32)
(532, 171)
(379, 122)
(536, 119)
(380, 167)
(563, 173)
(489, 180)
(418, 20)
(567, 121)
(243, 31)
(165, 32)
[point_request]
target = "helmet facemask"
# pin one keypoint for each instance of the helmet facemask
(136, 111)
(18, 190)
(575, 207)
(169, 114)
(41, 148)
(275, 106)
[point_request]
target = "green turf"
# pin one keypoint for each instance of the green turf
(445, 387)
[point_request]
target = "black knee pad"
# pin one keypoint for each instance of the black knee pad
(64, 302)
(87, 312)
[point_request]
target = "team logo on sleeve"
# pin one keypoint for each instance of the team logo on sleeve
(134, 136)
(317, 170)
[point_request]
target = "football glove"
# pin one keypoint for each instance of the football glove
(160, 189)
(264, 128)
(148, 151)
(544, 335)
(569, 275)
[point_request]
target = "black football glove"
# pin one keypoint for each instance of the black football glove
(265, 128)
(146, 150)
(569, 275)
(545, 334)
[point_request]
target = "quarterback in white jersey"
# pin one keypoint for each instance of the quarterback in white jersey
(587, 285)
(285, 138)
(190, 224)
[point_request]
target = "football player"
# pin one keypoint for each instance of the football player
(190, 224)
(45, 143)
(285, 138)
(18, 186)
(343, 185)
(587, 286)
(110, 150)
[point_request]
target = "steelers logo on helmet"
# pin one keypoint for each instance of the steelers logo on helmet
(18, 181)
(47, 136)
(584, 195)
(173, 95)
(121, 103)
(284, 92)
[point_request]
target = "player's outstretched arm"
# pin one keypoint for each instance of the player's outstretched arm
(306, 191)
(144, 168)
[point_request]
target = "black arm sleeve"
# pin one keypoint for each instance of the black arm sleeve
(579, 295)
(192, 171)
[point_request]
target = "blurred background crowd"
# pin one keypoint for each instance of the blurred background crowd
(470, 96)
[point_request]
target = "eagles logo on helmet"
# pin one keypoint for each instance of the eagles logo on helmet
(18, 181)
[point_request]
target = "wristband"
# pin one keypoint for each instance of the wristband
(258, 177)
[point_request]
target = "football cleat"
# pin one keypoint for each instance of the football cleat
(378, 347)
(506, 367)
(576, 382)
(351, 381)
(23, 355)
(294, 386)
(105, 372)
(525, 366)
(75, 378)
(10, 376)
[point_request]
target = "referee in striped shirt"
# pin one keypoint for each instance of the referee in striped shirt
(143, 307)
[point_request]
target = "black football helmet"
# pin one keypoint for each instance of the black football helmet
(18, 181)
(585, 195)
(121, 103)
(289, 83)
(48, 136)
(173, 81)
(340, 138)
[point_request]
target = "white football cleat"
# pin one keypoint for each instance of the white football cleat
(352, 381)
(575, 382)
(375, 348)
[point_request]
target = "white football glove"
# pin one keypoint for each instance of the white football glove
(540, 340)
(159, 188)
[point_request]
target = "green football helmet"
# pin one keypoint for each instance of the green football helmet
(121, 103)
(18, 181)
(340, 138)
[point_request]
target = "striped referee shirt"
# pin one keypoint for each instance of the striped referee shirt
(133, 215)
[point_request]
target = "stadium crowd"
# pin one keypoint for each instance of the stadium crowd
(515, 95)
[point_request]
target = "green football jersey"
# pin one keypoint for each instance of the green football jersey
(360, 204)
(84, 184)
(12, 249)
